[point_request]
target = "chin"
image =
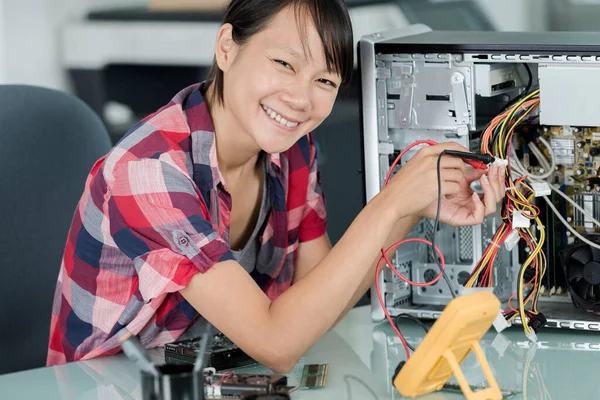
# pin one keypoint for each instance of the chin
(273, 148)
(274, 145)
(276, 142)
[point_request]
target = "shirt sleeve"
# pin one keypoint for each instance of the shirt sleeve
(160, 220)
(314, 221)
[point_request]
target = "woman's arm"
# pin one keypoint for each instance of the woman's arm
(311, 253)
(278, 333)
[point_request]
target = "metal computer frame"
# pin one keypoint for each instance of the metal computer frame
(393, 116)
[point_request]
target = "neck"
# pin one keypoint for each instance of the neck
(237, 152)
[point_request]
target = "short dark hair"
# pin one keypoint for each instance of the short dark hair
(331, 19)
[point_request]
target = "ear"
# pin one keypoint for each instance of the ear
(225, 51)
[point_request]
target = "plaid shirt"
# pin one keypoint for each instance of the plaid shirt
(153, 214)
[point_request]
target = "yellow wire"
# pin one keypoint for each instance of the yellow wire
(523, 203)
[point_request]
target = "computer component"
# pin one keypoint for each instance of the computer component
(224, 354)
(496, 79)
(529, 97)
(582, 267)
(314, 376)
(246, 386)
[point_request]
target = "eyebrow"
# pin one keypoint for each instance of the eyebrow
(293, 53)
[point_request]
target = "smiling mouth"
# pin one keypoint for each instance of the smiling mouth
(279, 119)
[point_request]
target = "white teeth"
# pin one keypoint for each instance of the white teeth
(279, 118)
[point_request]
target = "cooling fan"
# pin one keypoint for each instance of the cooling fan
(582, 269)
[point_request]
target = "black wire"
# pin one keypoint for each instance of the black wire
(398, 326)
(436, 226)
(415, 320)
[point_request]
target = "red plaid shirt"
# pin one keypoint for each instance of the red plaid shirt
(153, 214)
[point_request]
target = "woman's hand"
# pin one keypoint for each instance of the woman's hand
(467, 207)
(415, 187)
(414, 190)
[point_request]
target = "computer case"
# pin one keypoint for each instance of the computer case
(446, 86)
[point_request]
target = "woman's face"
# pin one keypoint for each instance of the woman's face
(276, 90)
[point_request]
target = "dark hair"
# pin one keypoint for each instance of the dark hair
(331, 19)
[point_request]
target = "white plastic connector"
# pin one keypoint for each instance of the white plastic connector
(512, 239)
(501, 162)
(531, 336)
(541, 189)
(500, 323)
(519, 220)
(386, 148)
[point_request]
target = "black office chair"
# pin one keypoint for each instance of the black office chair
(49, 141)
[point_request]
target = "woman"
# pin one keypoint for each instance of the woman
(212, 206)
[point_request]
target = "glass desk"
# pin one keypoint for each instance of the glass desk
(362, 357)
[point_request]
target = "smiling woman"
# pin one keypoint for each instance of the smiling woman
(285, 58)
(213, 207)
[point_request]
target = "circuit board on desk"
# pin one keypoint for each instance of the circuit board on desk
(238, 386)
(224, 354)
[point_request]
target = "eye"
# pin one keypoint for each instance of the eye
(285, 65)
(328, 82)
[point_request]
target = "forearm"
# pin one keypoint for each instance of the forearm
(312, 305)
(399, 232)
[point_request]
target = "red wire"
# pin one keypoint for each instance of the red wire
(384, 253)
(378, 270)
(410, 146)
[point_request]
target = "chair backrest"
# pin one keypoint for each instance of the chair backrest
(49, 141)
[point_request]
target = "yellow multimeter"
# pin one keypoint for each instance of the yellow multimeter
(451, 338)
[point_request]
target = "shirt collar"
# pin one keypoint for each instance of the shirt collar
(204, 149)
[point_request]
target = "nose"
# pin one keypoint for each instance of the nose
(298, 97)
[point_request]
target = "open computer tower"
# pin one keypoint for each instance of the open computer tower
(449, 86)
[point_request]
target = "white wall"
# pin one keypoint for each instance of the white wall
(516, 15)
(2, 55)
(29, 51)
(29, 48)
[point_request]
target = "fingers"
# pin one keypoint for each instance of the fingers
(450, 188)
(478, 210)
(489, 195)
(502, 180)
(453, 162)
(473, 174)
(438, 148)
(452, 175)
(496, 180)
